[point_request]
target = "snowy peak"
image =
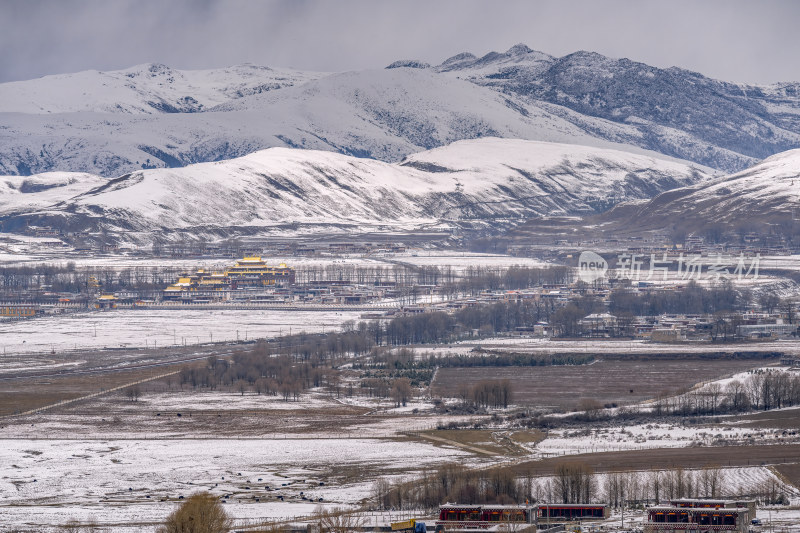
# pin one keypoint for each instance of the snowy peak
(519, 54)
(457, 60)
(518, 49)
(150, 70)
(143, 89)
(409, 63)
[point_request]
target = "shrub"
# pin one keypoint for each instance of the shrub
(201, 513)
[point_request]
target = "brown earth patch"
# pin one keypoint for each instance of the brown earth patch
(605, 381)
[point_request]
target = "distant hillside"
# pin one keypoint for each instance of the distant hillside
(487, 181)
(765, 197)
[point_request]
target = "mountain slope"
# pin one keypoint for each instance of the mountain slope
(383, 114)
(468, 181)
(763, 196)
(151, 116)
(671, 111)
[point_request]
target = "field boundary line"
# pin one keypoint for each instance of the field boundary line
(92, 395)
(467, 447)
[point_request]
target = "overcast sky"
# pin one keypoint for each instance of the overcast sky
(748, 41)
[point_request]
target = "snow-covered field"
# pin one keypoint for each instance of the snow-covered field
(48, 482)
(108, 480)
(637, 437)
(461, 261)
(159, 328)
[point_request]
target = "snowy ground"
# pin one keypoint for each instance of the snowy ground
(90, 480)
(217, 414)
(48, 482)
(31, 257)
(460, 261)
(637, 437)
(159, 328)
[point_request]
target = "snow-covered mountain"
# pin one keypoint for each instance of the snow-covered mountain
(144, 89)
(153, 116)
(379, 114)
(673, 111)
(467, 181)
(766, 194)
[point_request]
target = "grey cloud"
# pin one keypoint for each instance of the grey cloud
(734, 40)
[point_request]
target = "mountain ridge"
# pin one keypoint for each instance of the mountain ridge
(150, 115)
(472, 182)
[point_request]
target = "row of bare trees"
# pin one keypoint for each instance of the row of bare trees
(260, 371)
(486, 319)
(575, 482)
(693, 299)
(69, 278)
(450, 483)
(762, 389)
(264, 370)
(494, 393)
(570, 482)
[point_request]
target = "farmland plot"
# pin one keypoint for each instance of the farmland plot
(605, 381)
(154, 328)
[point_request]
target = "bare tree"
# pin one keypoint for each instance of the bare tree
(615, 489)
(337, 520)
(133, 393)
(714, 391)
(401, 391)
(656, 485)
(574, 482)
(738, 399)
(769, 301)
(711, 479)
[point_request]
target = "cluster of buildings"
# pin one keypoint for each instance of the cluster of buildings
(676, 516)
(681, 328)
(249, 278)
(747, 325)
(695, 515)
(253, 281)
